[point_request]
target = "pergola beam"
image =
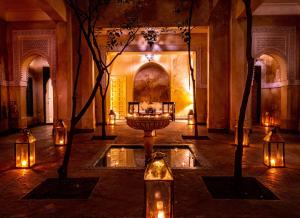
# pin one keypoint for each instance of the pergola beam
(240, 12)
(55, 9)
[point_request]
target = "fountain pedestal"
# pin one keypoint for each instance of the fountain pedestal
(148, 124)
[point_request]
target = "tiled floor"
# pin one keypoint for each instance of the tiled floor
(120, 193)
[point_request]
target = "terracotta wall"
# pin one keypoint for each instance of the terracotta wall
(3, 77)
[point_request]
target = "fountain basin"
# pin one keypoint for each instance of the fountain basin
(148, 123)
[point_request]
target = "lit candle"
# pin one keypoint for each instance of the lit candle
(24, 163)
(161, 214)
(273, 162)
(159, 205)
(61, 142)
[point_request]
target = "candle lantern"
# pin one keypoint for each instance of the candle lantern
(246, 132)
(191, 120)
(25, 150)
(274, 149)
(267, 119)
(112, 117)
(60, 133)
(158, 180)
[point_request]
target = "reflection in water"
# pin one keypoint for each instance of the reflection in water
(134, 157)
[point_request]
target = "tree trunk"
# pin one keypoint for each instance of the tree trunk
(238, 173)
(192, 69)
(103, 124)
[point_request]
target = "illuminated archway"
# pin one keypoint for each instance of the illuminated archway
(273, 75)
(151, 84)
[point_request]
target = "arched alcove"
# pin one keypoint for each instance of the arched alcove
(151, 84)
(270, 76)
(39, 90)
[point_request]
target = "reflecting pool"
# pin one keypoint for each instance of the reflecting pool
(133, 156)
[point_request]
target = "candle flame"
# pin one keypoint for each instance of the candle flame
(24, 163)
(273, 162)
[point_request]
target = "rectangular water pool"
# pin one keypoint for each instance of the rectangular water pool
(133, 156)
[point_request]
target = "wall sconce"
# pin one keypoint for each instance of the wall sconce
(158, 180)
(246, 132)
(60, 133)
(112, 118)
(191, 120)
(25, 150)
(274, 149)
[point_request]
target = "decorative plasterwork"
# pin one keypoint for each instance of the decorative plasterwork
(280, 41)
(28, 44)
(278, 8)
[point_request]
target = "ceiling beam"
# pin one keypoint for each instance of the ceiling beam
(240, 12)
(55, 9)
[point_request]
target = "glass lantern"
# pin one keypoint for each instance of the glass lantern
(60, 133)
(246, 132)
(274, 149)
(191, 120)
(158, 180)
(267, 119)
(25, 150)
(112, 117)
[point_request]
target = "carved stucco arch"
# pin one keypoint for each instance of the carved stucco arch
(26, 62)
(28, 44)
(280, 58)
(279, 40)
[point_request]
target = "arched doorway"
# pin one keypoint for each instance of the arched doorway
(39, 92)
(270, 72)
(151, 84)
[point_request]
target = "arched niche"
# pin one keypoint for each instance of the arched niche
(151, 84)
(39, 89)
(272, 67)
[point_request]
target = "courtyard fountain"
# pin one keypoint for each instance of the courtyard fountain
(148, 123)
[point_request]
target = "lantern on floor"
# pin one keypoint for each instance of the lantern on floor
(158, 180)
(25, 150)
(112, 117)
(274, 149)
(191, 120)
(60, 133)
(246, 132)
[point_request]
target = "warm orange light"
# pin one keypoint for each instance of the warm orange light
(161, 214)
(160, 205)
(60, 133)
(24, 163)
(273, 163)
(25, 150)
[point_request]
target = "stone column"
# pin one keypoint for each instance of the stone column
(85, 84)
(238, 72)
(219, 66)
(63, 75)
(148, 144)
